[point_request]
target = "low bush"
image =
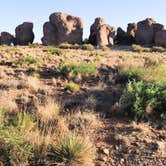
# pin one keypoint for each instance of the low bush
(142, 99)
(83, 69)
(69, 46)
(138, 48)
(155, 74)
(158, 49)
(73, 87)
(88, 47)
(53, 50)
(28, 61)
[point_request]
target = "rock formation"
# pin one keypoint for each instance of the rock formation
(62, 28)
(6, 39)
(101, 34)
(160, 38)
(146, 31)
(24, 33)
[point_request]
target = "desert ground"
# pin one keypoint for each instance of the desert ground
(76, 105)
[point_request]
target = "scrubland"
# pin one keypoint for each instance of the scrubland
(75, 105)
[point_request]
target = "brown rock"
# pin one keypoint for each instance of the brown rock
(160, 38)
(62, 28)
(6, 39)
(101, 34)
(24, 33)
(131, 32)
(146, 31)
(121, 37)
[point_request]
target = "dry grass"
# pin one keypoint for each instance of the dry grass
(83, 122)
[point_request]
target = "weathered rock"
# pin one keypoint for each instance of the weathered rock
(101, 34)
(131, 32)
(160, 38)
(121, 37)
(24, 33)
(6, 39)
(62, 28)
(146, 31)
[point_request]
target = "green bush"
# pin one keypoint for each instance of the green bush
(88, 47)
(83, 69)
(53, 50)
(156, 74)
(73, 87)
(140, 97)
(29, 61)
(69, 46)
(158, 49)
(138, 48)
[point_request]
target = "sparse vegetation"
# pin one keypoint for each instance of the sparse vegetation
(53, 50)
(84, 69)
(73, 87)
(158, 49)
(138, 48)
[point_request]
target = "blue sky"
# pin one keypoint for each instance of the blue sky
(115, 12)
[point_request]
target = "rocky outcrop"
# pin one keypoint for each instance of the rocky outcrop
(101, 34)
(146, 31)
(160, 38)
(24, 33)
(6, 39)
(121, 37)
(131, 32)
(126, 38)
(62, 28)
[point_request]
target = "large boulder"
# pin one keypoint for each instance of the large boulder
(131, 32)
(24, 33)
(62, 28)
(101, 34)
(160, 38)
(121, 36)
(6, 39)
(146, 31)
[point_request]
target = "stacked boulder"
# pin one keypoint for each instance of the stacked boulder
(126, 38)
(146, 31)
(7, 39)
(62, 28)
(101, 34)
(24, 34)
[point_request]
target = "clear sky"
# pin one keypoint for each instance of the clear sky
(116, 12)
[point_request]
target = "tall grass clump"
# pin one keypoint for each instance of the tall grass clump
(72, 150)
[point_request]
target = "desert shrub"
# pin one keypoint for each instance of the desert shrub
(141, 98)
(69, 46)
(88, 47)
(83, 69)
(29, 61)
(155, 74)
(138, 48)
(53, 50)
(158, 49)
(15, 146)
(73, 87)
(72, 150)
(35, 45)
